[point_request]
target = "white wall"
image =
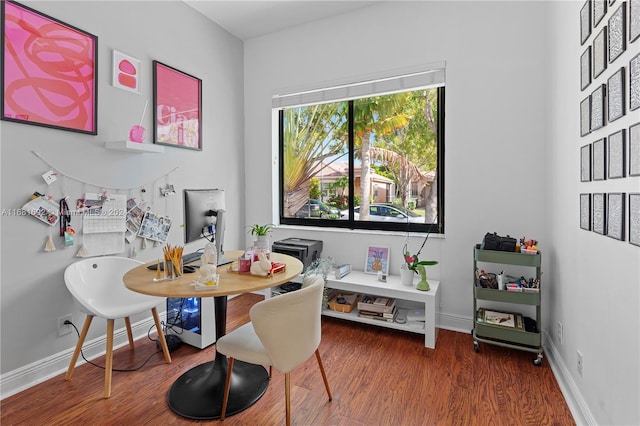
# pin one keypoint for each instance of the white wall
(495, 121)
(597, 293)
(32, 288)
(512, 161)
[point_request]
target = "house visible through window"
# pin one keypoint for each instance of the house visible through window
(366, 162)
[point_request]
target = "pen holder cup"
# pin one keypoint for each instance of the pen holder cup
(173, 270)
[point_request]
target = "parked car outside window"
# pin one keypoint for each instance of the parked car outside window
(317, 209)
(386, 213)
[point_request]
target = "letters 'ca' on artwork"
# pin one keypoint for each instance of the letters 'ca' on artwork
(49, 71)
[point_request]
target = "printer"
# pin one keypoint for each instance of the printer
(304, 250)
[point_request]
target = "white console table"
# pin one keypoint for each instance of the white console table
(406, 297)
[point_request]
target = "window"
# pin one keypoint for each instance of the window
(364, 161)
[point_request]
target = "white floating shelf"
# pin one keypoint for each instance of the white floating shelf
(136, 147)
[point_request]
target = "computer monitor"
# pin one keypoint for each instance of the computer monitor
(204, 217)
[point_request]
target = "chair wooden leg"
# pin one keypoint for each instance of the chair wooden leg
(163, 341)
(324, 376)
(227, 385)
(127, 323)
(108, 359)
(287, 396)
(270, 367)
(76, 353)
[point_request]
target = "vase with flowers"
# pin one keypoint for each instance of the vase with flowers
(413, 265)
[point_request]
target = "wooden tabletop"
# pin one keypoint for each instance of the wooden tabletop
(140, 279)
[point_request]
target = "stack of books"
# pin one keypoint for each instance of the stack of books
(378, 308)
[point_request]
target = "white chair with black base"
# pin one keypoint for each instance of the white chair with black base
(283, 333)
(96, 284)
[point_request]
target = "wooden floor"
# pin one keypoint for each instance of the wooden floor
(377, 377)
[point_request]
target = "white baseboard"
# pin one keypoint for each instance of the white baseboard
(37, 372)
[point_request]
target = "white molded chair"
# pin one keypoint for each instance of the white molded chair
(96, 284)
(284, 332)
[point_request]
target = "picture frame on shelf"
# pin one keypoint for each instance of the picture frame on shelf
(598, 213)
(598, 153)
(585, 21)
(634, 83)
(62, 93)
(585, 163)
(634, 20)
(617, 36)
(597, 107)
(377, 260)
(177, 108)
(615, 155)
(615, 96)
(585, 212)
(585, 68)
(126, 72)
(634, 219)
(599, 10)
(585, 116)
(615, 215)
(599, 52)
(634, 150)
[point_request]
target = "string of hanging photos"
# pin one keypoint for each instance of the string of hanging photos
(110, 217)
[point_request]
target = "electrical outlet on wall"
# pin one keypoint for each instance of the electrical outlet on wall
(560, 333)
(580, 363)
(62, 327)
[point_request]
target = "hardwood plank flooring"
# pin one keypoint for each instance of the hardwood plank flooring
(377, 377)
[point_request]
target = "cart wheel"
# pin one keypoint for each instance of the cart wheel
(538, 360)
(476, 347)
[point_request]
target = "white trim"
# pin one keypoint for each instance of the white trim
(428, 75)
(37, 372)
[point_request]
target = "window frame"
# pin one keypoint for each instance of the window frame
(350, 223)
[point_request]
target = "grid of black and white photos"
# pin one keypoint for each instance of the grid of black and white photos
(610, 86)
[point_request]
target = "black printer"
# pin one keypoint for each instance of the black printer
(304, 250)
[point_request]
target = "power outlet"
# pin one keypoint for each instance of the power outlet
(580, 363)
(560, 333)
(62, 327)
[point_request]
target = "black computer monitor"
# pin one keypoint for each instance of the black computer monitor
(204, 217)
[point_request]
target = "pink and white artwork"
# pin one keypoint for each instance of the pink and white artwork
(49, 71)
(126, 72)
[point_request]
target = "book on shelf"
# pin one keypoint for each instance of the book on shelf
(389, 317)
(391, 314)
(377, 304)
(502, 319)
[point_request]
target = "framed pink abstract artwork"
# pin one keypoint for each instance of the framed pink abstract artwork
(49, 71)
(177, 112)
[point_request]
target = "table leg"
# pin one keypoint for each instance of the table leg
(198, 393)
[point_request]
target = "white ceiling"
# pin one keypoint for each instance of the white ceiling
(248, 19)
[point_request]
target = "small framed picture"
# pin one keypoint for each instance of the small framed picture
(634, 150)
(585, 21)
(617, 32)
(585, 116)
(599, 52)
(597, 107)
(598, 170)
(126, 72)
(615, 155)
(585, 163)
(615, 95)
(634, 83)
(615, 215)
(634, 219)
(377, 260)
(598, 214)
(599, 10)
(585, 69)
(634, 20)
(585, 212)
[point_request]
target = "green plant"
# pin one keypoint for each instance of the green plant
(260, 230)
